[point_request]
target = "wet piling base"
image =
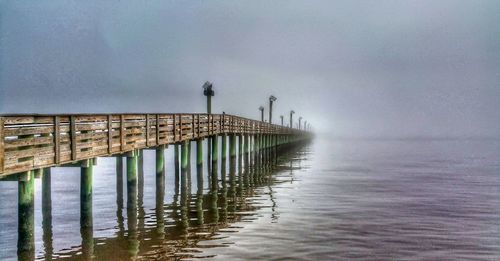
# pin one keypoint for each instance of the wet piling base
(160, 190)
(199, 180)
(47, 213)
(26, 216)
(86, 223)
(132, 190)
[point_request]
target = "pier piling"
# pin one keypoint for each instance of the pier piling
(26, 216)
(215, 170)
(47, 213)
(86, 193)
(199, 155)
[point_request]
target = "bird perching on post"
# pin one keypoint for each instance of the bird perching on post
(291, 118)
(281, 116)
(300, 119)
(209, 92)
(261, 109)
(271, 100)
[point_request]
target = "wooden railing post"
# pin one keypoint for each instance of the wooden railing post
(57, 140)
(192, 127)
(157, 129)
(2, 149)
(174, 130)
(110, 134)
(147, 130)
(72, 127)
(122, 132)
(212, 124)
(198, 126)
(180, 127)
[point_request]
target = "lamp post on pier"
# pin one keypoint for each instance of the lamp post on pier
(271, 100)
(281, 119)
(300, 120)
(209, 92)
(291, 118)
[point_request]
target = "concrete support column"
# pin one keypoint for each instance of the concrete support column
(176, 163)
(132, 189)
(86, 193)
(245, 151)
(47, 213)
(253, 149)
(199, 180)
(199, 155)
(257, 150)
(199, 200)
(184, 156)
(232, 155)
(261, 150)
(184, 162)
(224, 147)
(240, 150)
(26, 216)
(266, 150)
(132, 169)
(86, 221)
(160, 161)
(223, 157)
(189, 161)
(119, 182)
(160, 190)
(184, 204)
(215, 170)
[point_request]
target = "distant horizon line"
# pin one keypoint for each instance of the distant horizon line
(411, 137)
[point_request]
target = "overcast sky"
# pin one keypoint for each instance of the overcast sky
(353, 68)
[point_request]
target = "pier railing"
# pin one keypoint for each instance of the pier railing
(30, 142)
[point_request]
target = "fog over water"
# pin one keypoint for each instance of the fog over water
(353, 68)
(388, 86)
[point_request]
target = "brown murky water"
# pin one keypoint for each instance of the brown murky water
(333, 199)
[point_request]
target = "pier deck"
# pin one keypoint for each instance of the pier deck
(30, 142)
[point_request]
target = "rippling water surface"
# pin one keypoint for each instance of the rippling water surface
(336, 199)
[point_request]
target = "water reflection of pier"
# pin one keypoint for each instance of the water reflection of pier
(192, 217)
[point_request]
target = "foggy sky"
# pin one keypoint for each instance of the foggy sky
(353, 68)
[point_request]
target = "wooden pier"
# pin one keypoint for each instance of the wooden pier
(31, 144)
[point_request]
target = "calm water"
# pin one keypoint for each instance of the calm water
(335, 199)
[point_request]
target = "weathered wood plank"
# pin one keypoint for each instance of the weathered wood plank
(29, 152)
(10, 131)
(110, 134)
(157, 129)
(73, 136)
(2, 155)
(122, 130)
(29, 141)
(198, 125)
(28, 120)
(180, 128)
(57, 138)
(147, 129)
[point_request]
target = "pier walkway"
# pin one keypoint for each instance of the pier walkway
(30, 142)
